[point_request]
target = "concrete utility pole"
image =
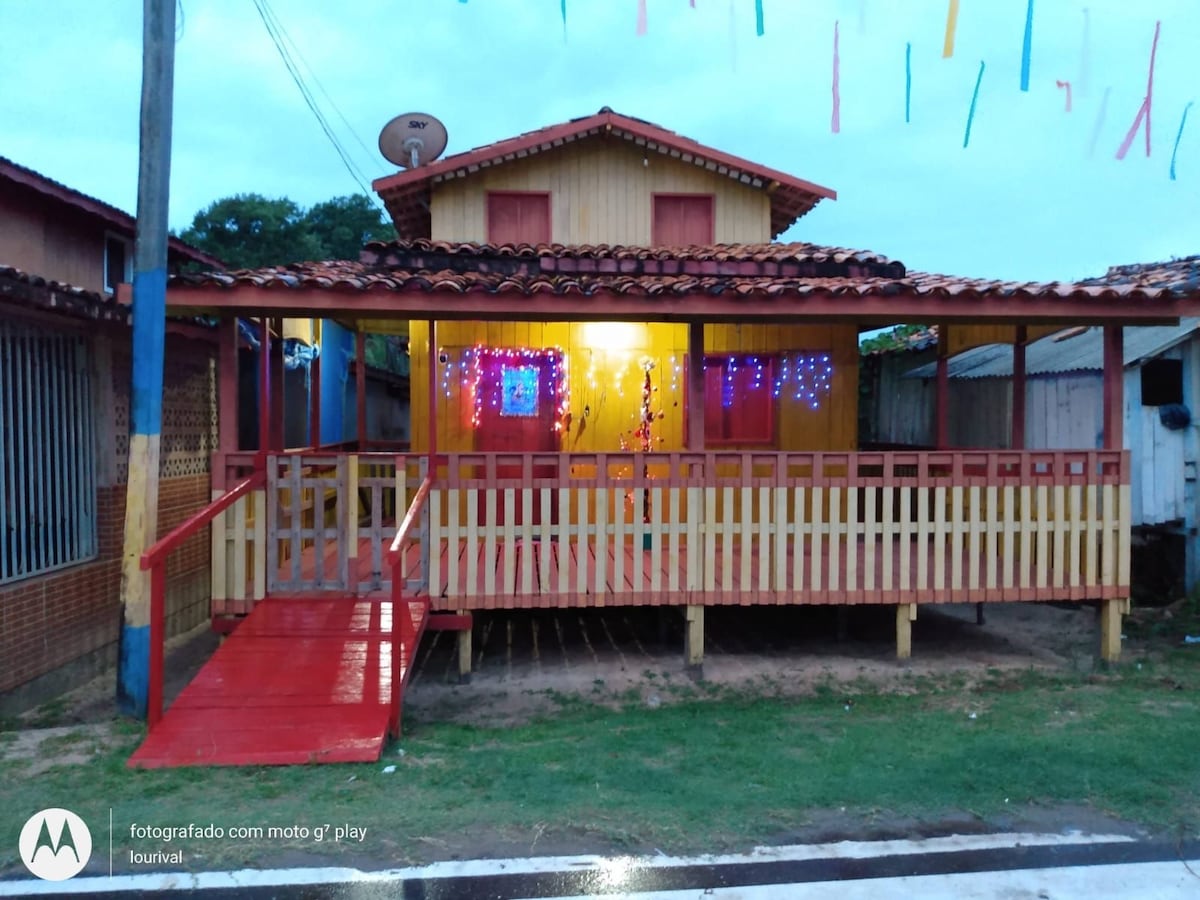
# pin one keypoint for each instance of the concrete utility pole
(149, 327)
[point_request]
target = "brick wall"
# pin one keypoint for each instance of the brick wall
(73, 616)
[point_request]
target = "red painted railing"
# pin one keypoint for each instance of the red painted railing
(396, 559)
(155, 560)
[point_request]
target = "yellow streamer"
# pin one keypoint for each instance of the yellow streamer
(951, 25)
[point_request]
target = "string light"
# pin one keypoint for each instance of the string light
(478, 357)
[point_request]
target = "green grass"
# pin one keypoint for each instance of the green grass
(708, 769)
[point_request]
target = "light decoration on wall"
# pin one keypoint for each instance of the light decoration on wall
(804, 375)
(512, 369)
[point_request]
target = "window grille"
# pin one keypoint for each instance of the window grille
(47, 452)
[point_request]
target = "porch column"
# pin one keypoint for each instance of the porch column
(277, 389)
(264, 384)
(227, 386)
(314, 388)
(360, 388)
(941, 413)
(693, 647)
(1017, 431)
(1114, 439)
(1114, 387)
(432, 353)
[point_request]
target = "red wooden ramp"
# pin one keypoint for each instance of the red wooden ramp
(298, 681)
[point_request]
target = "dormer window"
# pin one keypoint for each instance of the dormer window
(518, 217)
(118, 262)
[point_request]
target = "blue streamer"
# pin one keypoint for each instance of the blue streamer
(563, 7)
(908, 82)
(758, 17)
(974, 100)
(1178, 138)
(1028, 48)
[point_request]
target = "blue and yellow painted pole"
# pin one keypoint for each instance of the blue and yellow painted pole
(149, 327)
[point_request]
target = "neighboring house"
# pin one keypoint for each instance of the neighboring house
(625, 394)
(64, 420)
(895, 411)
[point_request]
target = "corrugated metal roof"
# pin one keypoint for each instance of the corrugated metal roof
(1062, 352)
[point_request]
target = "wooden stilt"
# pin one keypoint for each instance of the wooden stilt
(1110, 629)
(906, 614)
(464, 652)
(979, 620)
(694, 639)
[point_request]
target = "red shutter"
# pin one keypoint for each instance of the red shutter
(749, 417)
(682, 220)
(518, 218)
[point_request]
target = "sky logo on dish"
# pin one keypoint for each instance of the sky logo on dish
(55, 844)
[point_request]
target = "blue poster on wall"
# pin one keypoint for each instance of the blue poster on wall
(519, 391)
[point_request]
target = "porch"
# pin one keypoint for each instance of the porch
(527, 531)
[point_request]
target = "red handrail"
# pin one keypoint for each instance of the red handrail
(401, 616)
(155, 559)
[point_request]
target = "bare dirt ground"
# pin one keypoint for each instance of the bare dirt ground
(525, 661)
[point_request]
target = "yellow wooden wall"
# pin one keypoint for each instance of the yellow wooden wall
(606, 379)
(963, 337)
(600, 194)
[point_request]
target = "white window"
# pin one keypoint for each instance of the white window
(47, 459)
(118, 262)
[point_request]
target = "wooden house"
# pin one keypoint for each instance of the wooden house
(623, 394)
(65, 263)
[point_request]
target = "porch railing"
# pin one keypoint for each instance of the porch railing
(726, 527)
(679, 528)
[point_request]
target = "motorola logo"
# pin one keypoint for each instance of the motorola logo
(55, 844)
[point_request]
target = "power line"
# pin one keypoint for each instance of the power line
(317, 81)
(270, 24)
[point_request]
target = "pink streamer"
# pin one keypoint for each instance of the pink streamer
(1144, 109)
(641, 17)
(1067, 85)
(836, 122)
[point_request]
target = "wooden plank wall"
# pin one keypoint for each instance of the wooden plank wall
(600, 194)
(606, 381)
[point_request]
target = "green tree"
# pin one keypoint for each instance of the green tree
(248, 230)
(344, 224)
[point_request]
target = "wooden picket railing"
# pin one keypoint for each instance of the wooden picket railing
(724, 527)
(581, 529)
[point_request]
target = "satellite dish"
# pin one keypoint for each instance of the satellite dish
(412, 140)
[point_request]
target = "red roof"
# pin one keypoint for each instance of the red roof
(407, 193)
(112, 217)
(35, 292)
(748, 270)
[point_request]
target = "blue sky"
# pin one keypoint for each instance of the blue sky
(1023, 201)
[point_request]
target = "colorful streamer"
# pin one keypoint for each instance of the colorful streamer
(693, 4)
(641, 17)
(862, 16)
(1027, 47)
(1096, 129)
(1178, 138)
(1144, 109)
(1084, 82)
(836, 121)
(908, 82)
(974, 101)
(758, 17)
(951, 25)
(563, 8)
(1067, 85)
